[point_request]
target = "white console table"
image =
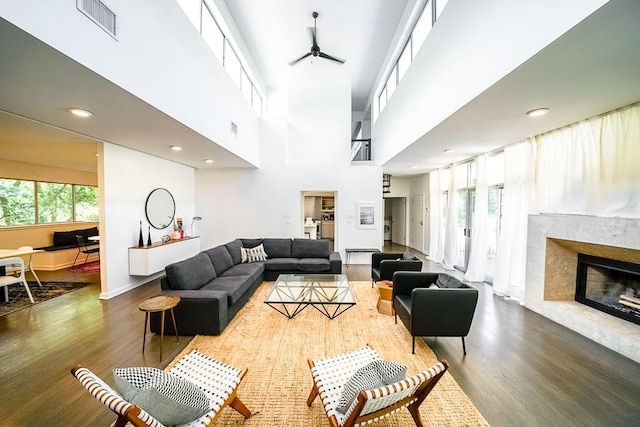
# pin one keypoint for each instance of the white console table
(148, 260)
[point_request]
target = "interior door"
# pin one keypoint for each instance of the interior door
(416, 222)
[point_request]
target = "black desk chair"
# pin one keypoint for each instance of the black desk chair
(85, 249)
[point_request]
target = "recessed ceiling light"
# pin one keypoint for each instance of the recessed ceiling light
(208, 161)
(80, 112)
(176, 147)
(449, 150)
(537, 112)
(413, 167)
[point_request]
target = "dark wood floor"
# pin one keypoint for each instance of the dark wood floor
(520, 368)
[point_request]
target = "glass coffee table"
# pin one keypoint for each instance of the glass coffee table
(330, 294)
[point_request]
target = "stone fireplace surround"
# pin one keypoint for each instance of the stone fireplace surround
(553, 243)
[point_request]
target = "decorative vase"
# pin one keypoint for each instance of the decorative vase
(140, 239)
(149, 237)
(175, 235)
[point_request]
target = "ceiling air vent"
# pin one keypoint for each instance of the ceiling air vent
(99, 13)
(234, 128)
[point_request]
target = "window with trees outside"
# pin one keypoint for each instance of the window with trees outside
(32, 202)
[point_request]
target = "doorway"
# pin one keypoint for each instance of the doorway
(319, 213)
(395, 214)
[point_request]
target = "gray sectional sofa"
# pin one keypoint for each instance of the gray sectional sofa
(215, 284)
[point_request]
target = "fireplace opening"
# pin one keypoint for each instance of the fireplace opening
(610, 286)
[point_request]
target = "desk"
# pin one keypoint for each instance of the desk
(349, 251)
(10, 253)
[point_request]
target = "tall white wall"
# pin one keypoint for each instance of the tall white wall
(472, 46)
(305, 146)
(159, 57)
(125, 178)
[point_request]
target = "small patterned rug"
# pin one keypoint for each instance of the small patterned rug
(18, 298)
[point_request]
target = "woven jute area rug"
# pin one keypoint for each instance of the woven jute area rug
(275, 350)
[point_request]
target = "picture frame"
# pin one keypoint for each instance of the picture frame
(367, 215)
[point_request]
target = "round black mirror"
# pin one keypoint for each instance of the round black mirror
(160, 208)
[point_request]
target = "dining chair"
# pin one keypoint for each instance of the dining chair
(27, 264)
(85, 249)
(6, 280)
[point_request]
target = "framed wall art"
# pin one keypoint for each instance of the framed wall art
(366, 215)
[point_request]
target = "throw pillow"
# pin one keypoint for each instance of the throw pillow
(169, 399)
(364, 378)
(390, 372)
(408, 257)
(256, 254)
(434, 286)
(243, 255)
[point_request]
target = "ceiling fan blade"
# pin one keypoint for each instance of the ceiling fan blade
(300, 59)
(313, 38)
(325, 56)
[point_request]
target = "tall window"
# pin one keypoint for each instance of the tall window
(202, 16)
(422, 28)
(212, 34)
(31, 202)
(495, 181)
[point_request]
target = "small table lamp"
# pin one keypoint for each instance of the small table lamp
(195, 218)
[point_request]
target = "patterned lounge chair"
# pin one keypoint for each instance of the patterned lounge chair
(217, 380)
(330, 375)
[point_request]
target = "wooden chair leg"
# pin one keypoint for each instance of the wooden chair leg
(415, 414)
(312, 395)
(239, 406)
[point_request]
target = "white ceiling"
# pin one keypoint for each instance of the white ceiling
(593, 68)
(358, 31)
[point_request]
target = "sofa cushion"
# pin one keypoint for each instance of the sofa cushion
(234, 286)
(308, 248)
(253, 269)
(250, 243)
(277, 248)
(446, 281)
(220, 258)
(313, 265)
(192, 273)
(283, 264)
(234, 250)
(66, 238)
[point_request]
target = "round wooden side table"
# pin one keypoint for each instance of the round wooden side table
(162, 304)
(385, 290)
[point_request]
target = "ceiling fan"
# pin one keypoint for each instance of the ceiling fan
(315, 49)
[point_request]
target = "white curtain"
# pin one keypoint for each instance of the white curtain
(450, 243)
(436, 242)
(591, 167)
(479, 239)
(511, 253)
(620, 152)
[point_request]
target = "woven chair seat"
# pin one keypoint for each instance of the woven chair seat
(331, 374)
(217, 380)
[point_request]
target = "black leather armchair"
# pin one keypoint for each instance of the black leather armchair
(384, 264)
(444, 310)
